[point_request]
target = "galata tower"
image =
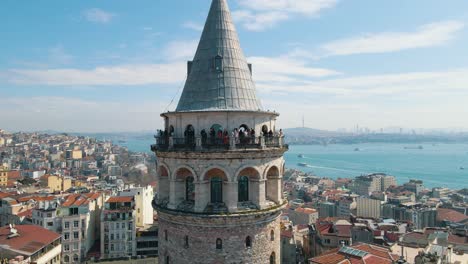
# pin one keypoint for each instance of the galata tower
(220, 160)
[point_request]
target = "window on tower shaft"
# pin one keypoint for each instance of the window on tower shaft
(219, 243)
(218, 64)
(248, 242)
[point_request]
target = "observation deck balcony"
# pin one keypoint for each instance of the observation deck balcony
(219, 208)
(214, 144)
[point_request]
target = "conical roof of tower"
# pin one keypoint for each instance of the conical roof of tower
(219, 76)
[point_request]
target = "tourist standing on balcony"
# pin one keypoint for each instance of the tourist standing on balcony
(212, 136)
(204, 136)
(236, 135)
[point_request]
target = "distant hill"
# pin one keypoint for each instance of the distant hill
(315, 136)
(310, 132)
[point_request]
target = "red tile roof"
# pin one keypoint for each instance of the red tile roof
(376, 255)
(444, 214)
(27, 213)
(80, 199)
(31, 238)
(120, 199)
(305, 210)
(3, 195)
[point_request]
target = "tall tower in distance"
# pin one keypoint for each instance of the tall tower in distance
(220, 160)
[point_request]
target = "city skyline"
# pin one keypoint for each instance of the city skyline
(104, 68)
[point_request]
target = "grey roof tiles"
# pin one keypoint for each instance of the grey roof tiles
(224, 83)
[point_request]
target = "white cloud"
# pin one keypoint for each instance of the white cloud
(58, 55)
(429, 35)
(180, 50)
(416, 84)
(258, 15)
(285, 69)
(193, 25)
(51, 113)
(108, 75)
(98, 15)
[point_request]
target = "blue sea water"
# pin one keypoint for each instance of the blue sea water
(438, 165)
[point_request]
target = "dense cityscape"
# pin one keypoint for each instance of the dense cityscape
(215, 187)
(73, 190)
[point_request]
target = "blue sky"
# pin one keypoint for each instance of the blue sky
(103, 66)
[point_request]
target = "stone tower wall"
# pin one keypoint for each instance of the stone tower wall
(203, 231)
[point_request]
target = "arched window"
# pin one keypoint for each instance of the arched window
(272, 235)
(186, 242)
(243, 128)
(273, 258)
(75, 258)
(189, 135)
(243, 189)
(66, 259)
(248, 242)
(216, 190)
(165, 235)
(189, 189)
(219, 243)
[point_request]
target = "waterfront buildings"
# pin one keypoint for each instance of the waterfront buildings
(30, 244)
(365, 185)
(220, 160)
(370, 208)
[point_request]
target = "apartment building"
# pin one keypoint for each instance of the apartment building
(118, 228)
(79, 220)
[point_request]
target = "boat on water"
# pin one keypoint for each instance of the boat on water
(301, 156)
(418, 147)
(357, 149)
(462, 168)
(302, 164)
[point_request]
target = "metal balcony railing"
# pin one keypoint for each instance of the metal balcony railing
(217, 144)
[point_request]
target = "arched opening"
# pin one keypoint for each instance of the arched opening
(189, 189)
(273, 258)
(249, 184)
(273, 185)
(66, 259)
(243, 189)
(243, 128)
(75, 258)
(219, 243)
(163, 184)
(185, 186)
(216, 190)
(248, 242)
(216, 177)
(189, 135)
(272, 235)
(163, 172)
